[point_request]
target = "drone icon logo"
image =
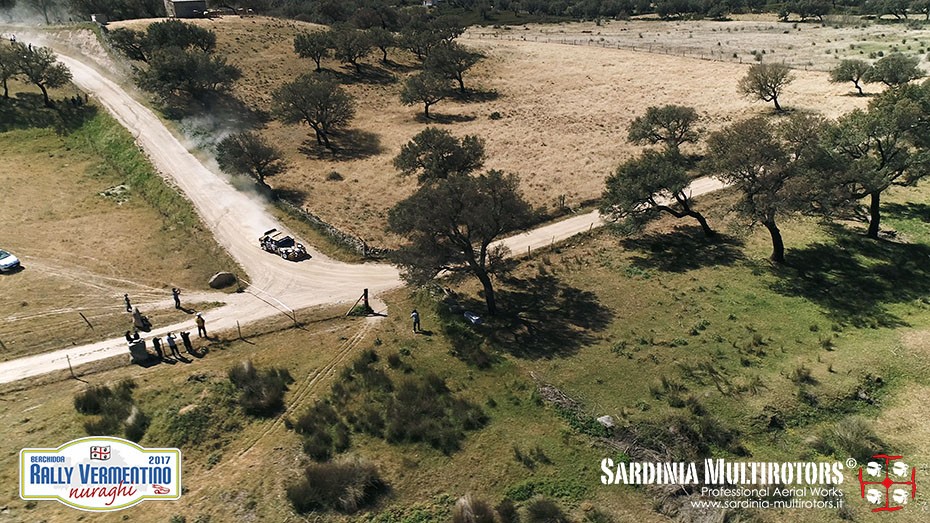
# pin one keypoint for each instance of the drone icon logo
(895, 490)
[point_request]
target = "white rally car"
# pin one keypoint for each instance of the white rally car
(8, 262)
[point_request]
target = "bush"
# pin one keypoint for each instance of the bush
(507, 512)
(112, 410)
(334, 176)
(543, 510)
(343, 487)
(470, 510)
(855, 437)
(262, 392)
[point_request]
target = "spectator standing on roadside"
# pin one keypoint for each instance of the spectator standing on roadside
(128, 303)
(416, 320)
(201, 326)
(176, 294)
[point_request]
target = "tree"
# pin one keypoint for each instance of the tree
(766, 82)
(8, 67)
(921, 6)
(894, 70)
(426, 88)
(434, 154)
(451, 225)
(315, 45)
(882, 147)
(671, 125)
(771, 167)
(321, 103)
(247, 153)
(131, 43)
(383, 40)
(451, 60)
(851, 71)
(175, 33)
(350, 45)
(644, 187)
(40, 67)
(173, 71)
(810, 8)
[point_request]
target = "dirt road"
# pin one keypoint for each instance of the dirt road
(237, 220)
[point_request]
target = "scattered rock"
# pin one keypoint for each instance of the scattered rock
(185, 410)
(222, 279)
(607, 421)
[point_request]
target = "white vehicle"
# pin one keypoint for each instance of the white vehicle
(8, 262)
(283, 245)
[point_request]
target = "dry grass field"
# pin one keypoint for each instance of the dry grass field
(84, 239)
(565, 110)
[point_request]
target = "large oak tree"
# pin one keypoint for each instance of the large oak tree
(772, 167)
(450, 226)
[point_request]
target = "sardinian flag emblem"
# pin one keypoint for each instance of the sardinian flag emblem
(101, 453)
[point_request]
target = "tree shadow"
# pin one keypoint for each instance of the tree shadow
(215, 113)
(28, 111)
(908, 211)
(293, 195)
(367, 74)
(541, 317)
(350, 144)
(684, 249)
(476, 96)
(856, 278)
(438, 118)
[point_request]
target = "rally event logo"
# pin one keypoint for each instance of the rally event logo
(891, 481)
(100, 474)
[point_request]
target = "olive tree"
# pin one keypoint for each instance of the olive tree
(450, 228)
(319, 102)
(766, 82)
(882, 147)
(315, 45)
(247, 153)
(894, 70)
(854, 71)
(452, 61)
(644, 187)
(426, 88)
(771, 166)
(435, 154)
(671, 125)
(39, 66)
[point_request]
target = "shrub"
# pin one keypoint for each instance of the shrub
(507, 512)
(112, 410)
(856, 438)
(496, 116)
(543, 510)
(470, 510)
(344, 487)
(334, 176)
(262, 392)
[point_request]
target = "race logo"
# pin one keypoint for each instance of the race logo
(74, 475)
(894, 490)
